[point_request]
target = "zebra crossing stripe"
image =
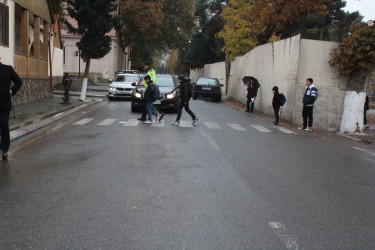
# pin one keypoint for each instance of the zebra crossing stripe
(284, 130)
(107, 122)
(131, 123)
(83, 121)
(185, 124)
(261, 129)
(236, 127)
(158, 124)
(212, 125)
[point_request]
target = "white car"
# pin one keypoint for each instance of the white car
(121, 87)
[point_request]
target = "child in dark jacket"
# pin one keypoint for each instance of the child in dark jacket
(276, 103)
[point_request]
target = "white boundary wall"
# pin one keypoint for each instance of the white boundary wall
(287, 64)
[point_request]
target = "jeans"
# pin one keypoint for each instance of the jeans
(4, 130)
(186, 106)
(277, 111)
(150, 110)
(307, 112)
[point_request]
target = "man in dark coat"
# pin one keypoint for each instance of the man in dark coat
(185, 95)
(7, 75)
(276, 103)
(252, 92)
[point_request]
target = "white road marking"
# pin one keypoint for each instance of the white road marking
(83, 121)
(107, 122)
(158, 124)
(236, 127)
(287, 238)
(212, 125)
(132, 123)
(185, 124)
(261, 129)
(284, 130)
(360, 149)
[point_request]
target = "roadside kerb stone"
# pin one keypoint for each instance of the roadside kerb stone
(50, 118)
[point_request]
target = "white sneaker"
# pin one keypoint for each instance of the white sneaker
(301, 128)
(176, 123)
(148, 122)
(194, 122)
(308, 129)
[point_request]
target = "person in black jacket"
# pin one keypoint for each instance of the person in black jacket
(7, 75)
(185, 95)
(252, 92)
(276, 103)
(367, 107)
(150, 99)
(308, 105)
(67, 82)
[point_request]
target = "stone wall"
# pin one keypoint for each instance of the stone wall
(34, 89)
(287, 64)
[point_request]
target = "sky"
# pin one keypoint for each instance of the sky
(365, 7)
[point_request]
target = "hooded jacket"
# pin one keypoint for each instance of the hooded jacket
(309, 96)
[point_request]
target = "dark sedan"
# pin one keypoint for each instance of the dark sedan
(207, 88)
(166, 100)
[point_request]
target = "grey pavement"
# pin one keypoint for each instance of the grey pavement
(233, 182)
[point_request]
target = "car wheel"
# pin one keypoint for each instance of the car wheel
(110, 98)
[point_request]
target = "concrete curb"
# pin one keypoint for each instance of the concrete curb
(59, 92)
(46, 120)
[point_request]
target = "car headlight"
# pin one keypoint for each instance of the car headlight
(112, 89)
(170, 96)
(138, 95)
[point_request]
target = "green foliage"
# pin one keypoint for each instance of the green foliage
(357, 50)
(95, 19)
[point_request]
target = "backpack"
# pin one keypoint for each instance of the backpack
(190, 85)
(282, 99)
(156, 92)
(66, 81)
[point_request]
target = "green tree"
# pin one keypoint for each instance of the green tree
(95, 19)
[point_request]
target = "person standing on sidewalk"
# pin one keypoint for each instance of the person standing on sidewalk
(185, 95)
(7, 75)
(366, 108)
(252, 92)
(308, 105)
(276, 103)
(67, 82)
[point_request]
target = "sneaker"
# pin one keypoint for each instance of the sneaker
(141, 119)
(177, 123)
(148, 121)
(276, 124)
(301, 128)
(161, 117)
(195, 121)
(4, 155)
(308, 129)
(158, 118)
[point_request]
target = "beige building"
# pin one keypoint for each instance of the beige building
(104, 68)
(30, 42)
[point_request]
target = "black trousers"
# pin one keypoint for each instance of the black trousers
(4, 130)
(276, 110)
(248, 106)
(186, 106)
(307, 112)
(365, 117)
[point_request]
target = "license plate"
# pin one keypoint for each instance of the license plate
(206, 88)
(157, 102)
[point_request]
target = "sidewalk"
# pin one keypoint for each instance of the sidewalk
(29, 113)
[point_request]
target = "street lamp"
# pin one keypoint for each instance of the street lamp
(78, 53)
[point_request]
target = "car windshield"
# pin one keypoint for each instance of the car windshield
(164, 81)
(122, 78)
(206, 81)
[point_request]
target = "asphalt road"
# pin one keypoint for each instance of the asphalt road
(233, 182)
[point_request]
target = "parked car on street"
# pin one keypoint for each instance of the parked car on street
(121, 87)
(166, 100)
(207, 88)
(127, 71)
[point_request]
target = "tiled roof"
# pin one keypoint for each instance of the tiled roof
(73, 22)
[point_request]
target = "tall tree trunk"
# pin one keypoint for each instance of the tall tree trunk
(352, 118)
(87, 68)
(227, 72)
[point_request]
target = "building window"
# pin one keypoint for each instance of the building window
(4, 25)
